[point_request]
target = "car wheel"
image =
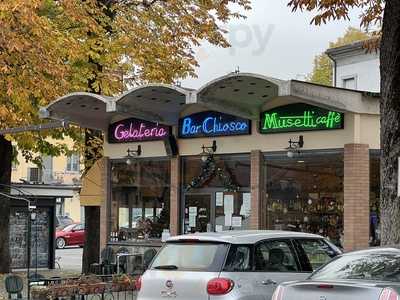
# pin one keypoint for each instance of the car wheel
(60, 243)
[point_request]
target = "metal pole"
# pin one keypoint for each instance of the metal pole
(29, 254)
(36, 247)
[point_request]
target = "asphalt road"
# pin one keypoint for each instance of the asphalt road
(71, 258)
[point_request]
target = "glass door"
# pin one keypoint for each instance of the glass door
(198, 213)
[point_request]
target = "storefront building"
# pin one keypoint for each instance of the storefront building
(243, 152)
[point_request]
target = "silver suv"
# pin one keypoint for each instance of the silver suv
(232, 265)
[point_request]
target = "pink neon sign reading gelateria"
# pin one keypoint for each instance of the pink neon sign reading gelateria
(133, 130)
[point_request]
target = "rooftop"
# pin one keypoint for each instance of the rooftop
(357, 46)
(240, 94)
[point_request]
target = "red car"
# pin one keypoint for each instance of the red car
(71, 235)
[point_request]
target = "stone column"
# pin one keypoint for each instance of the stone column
(356, 196)
(257, 184)
(175, 196)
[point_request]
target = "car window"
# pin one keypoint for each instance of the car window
(191, 257)
(368, 266)
(69, 227)
(274, 256)
(317, 252)
(239, 259)
(79, 227)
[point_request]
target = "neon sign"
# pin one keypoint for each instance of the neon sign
(300, 117)
(135, 130)
(210, 123)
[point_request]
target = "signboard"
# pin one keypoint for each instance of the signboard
(210, 123)
(300, 117)
(135, 130)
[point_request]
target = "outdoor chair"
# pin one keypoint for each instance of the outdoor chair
(108, 261)
(107, 265)
(123, 260)
(14, 286)
(137, 264)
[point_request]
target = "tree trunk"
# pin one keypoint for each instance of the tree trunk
(5, 178)
(390, 123)
(91, 249)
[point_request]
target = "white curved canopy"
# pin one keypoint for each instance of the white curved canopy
(240, 94)
(154, 102)
(86, 109)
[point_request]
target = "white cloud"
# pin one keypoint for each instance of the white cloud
(272, 41)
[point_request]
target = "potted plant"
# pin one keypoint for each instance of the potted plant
(39, 292)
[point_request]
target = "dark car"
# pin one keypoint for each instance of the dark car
(71, 235)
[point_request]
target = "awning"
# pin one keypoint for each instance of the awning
(94, 187)
(241, 94)
(45, 190)
(86, 109)
(154, 102)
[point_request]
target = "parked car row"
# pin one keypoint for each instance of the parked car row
(265, 265)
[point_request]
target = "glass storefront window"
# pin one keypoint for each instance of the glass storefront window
(211, 206)
(305, 193)
(236, 167)
(140, 199)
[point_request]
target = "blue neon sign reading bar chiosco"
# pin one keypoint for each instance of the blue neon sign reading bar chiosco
(211, 123)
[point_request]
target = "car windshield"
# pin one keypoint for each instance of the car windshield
(191, 257)
(371, 266)
(69, 227)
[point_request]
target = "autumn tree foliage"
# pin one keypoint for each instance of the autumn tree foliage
(52, 47)
(322, 72)
(385, 15)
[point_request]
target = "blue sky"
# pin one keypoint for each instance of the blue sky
(272, 41)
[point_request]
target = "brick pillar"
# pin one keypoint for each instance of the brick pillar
(175, 195)
(356, 196)
(256, 184)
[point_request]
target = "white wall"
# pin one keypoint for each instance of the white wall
(365, 67)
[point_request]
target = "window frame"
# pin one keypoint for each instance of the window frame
(349, 77)
(70, 162)
(289, 242)
(251, 246)
(303, 257)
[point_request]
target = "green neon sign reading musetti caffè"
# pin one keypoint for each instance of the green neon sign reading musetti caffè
(300, 117)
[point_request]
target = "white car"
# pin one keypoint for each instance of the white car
(232, 265)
